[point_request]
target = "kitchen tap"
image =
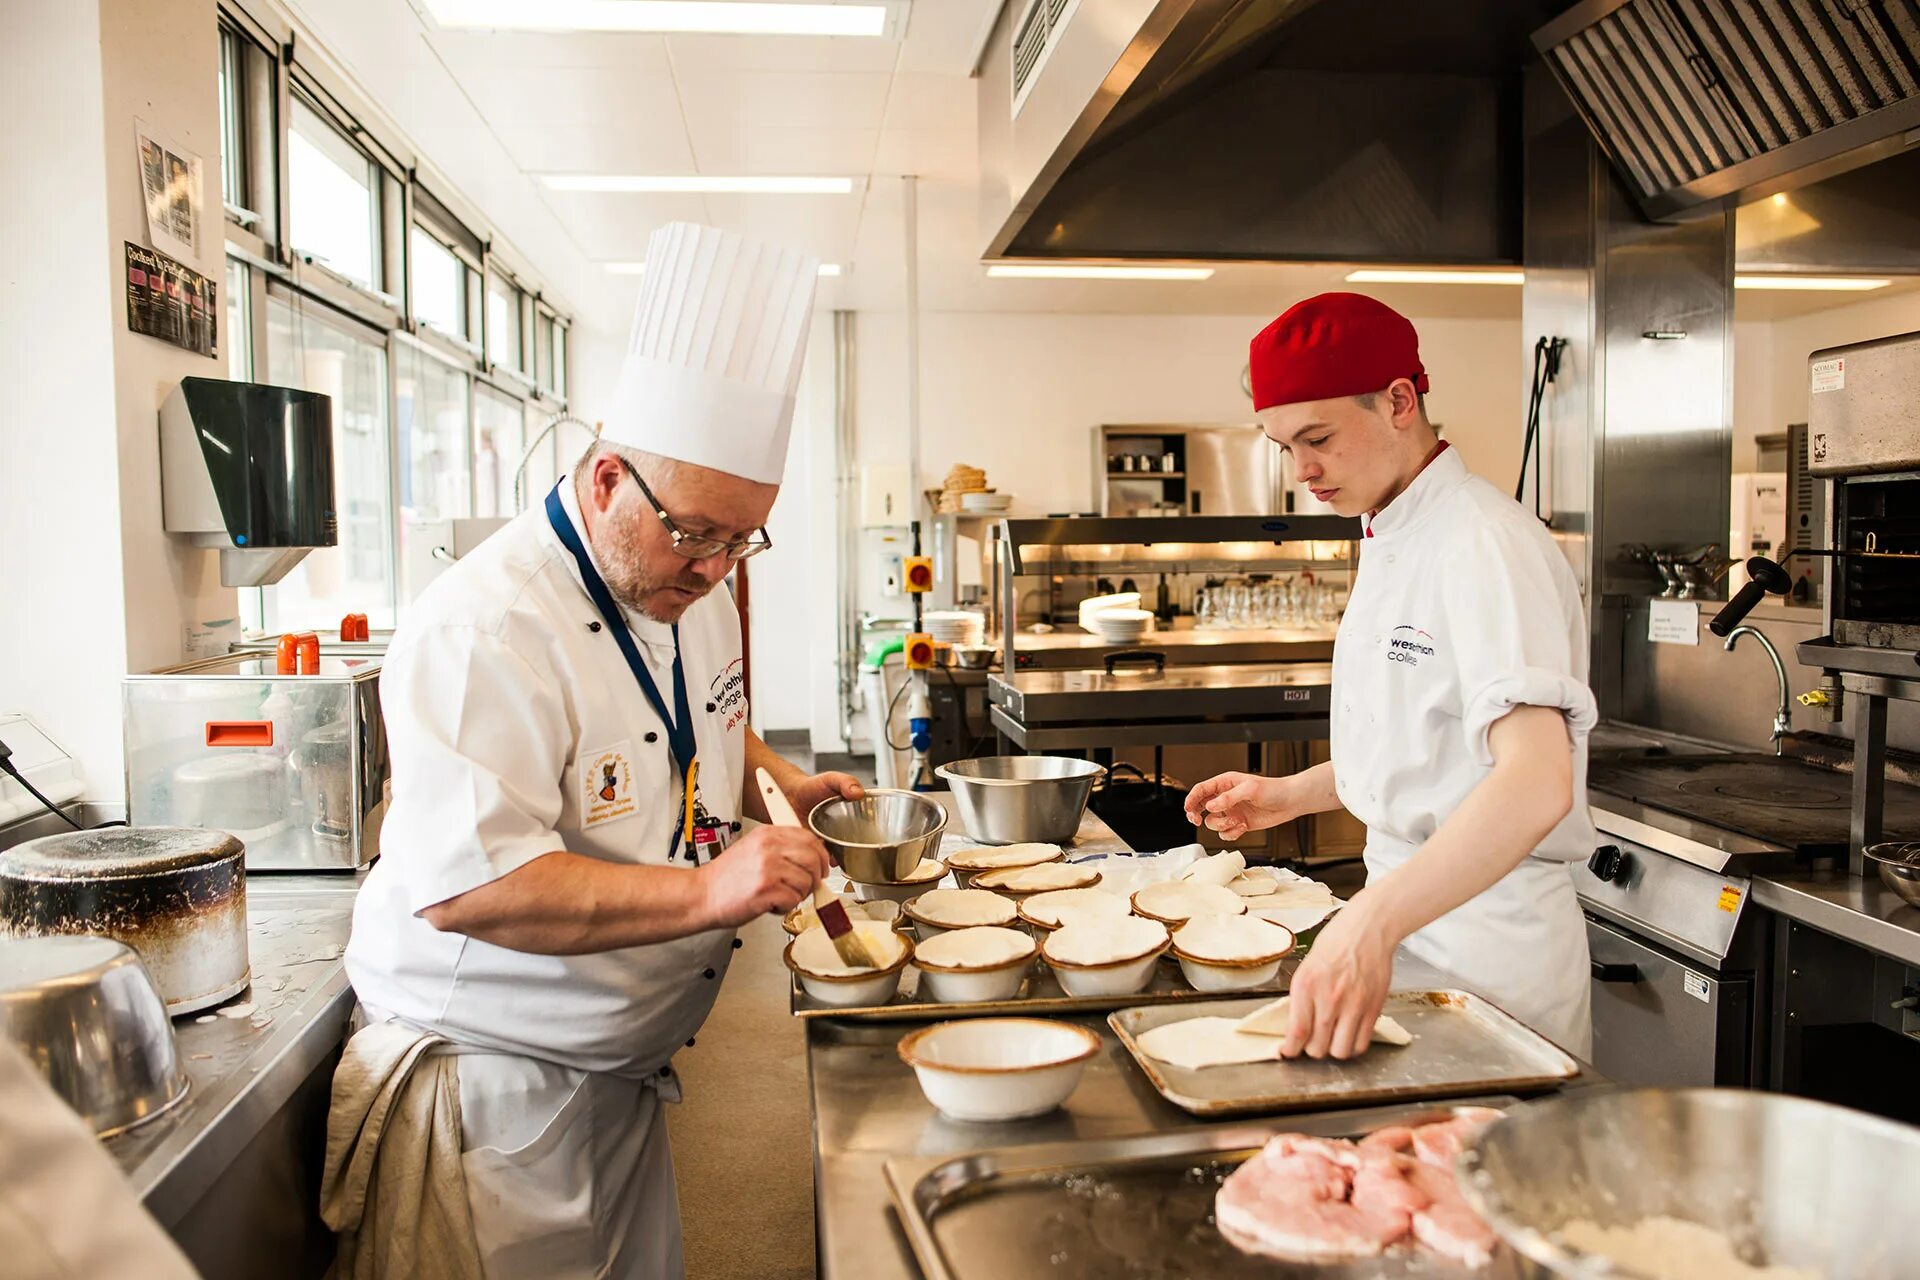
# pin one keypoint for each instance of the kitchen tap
(1783, 714)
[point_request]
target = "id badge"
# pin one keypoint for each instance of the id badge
(703, 836)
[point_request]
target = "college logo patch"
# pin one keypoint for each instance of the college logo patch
(606, 783)
(728, 692)
(1409, 644)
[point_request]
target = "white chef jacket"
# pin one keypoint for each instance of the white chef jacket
(511, 718)
(1463, 608)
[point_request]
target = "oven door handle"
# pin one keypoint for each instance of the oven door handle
(1628, 973)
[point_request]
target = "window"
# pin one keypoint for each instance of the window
(430, 414)
(499, 438)
(543, 349)
(560, 360)
(308, 348)
(238, 338)
(543, 466)
(334, 205)
(503, 324)
(233, 161)
(439, 284)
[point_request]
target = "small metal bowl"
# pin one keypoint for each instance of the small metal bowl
(975, 657)
(86, 1013)
(881, 837)
(1899, 863)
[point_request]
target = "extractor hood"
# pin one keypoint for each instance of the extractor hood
(1256, 130)
(1705, 104)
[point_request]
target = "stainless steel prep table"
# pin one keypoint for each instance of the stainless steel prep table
(1856, 909)
(867, 1108)
(1072, 647)
(232, 1172)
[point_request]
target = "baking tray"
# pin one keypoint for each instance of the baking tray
(1139, 1207)
(1040, 993)
(1462, 1044)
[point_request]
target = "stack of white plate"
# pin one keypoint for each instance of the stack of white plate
(1122, 626)
(1096, 604)
(955, 626)
(987, 503)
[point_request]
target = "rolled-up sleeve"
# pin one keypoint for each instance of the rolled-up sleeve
(1514, 629)
(480, 743)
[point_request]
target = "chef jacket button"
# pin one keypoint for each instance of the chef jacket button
(711, 708)
(708, 974)
(737, 944)
(593, 626)
(665, 1072)
(689, 1044)
(653, 737)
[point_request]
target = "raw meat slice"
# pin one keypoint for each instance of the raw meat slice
(1448, 1225)
(1440, 1144)
(1290, 1202)
(1393, 1138)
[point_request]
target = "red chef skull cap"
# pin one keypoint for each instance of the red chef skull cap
(1331, 345)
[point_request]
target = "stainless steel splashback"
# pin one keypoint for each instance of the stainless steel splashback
(1637, 428)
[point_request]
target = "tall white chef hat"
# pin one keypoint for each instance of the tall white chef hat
(714, 361)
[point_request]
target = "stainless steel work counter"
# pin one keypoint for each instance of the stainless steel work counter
(259, 1067)
(867, 1109)
(1855, 909)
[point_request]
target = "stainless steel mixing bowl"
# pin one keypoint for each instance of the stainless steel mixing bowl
(882, 837)
(1017, 799)
(1788, 1181)
(1899, 863)
(85, 1012)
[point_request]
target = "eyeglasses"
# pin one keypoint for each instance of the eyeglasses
(692, 546)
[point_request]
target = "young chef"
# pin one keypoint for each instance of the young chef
(570, 755)
(1460, 699)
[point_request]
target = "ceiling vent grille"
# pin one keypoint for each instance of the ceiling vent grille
(1697, 101)
(1035, 33)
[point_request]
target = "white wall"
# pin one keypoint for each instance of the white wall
(85, 558)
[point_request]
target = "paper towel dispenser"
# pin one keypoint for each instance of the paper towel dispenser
(247, 469)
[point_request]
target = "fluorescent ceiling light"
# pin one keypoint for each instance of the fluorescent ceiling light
(1069, 271)
(666, 16)
(639, 268)
(1833, 284)
(697, 184)
(1416, 276)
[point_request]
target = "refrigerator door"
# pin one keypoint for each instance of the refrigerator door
(1231, 471)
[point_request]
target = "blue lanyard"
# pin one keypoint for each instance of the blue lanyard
(679, 725)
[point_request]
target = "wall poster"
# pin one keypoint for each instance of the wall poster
(171, 301)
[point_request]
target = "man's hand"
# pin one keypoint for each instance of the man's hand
(822, 787)
(1233, 804)
(1340, 987)
(768, 870)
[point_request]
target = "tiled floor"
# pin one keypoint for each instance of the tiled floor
(742, 1139)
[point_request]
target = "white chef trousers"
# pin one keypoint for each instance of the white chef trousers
(568, 1172)
(1521, 944)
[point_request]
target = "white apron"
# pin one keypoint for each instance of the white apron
(1464, 609)
(516, 729)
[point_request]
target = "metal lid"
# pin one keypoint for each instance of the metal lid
(29, 963)
(115, 853)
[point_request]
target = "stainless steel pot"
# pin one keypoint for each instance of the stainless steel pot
(176, 895)
(1788, 1181)
(1017, 799)
(85, 1012)
(880, 838)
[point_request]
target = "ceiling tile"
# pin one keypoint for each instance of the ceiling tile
(932, 102)
(538, 148)
(782, 53)
(947, 155)
(478, 51)
(730, 147)
(786, 99)
(592, 97)
(942, 35)
(615, 227)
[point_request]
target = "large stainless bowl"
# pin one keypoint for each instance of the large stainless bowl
(85, 1012)
(1017, 799)
(1899, 863)
(1790, 1182)
(880, 838)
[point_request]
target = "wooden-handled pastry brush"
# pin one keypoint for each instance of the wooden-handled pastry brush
(847, 943)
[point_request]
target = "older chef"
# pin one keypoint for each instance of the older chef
(570, 758)
(1460, 699)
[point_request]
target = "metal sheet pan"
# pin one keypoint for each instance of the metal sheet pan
(1462, 1045)
(1040, 994)
(1139, 1207)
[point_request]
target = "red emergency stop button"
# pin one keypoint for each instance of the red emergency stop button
(919, 651)
(919, 572)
